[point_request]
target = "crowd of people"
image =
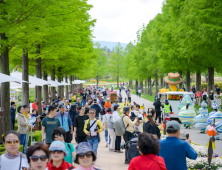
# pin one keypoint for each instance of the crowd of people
(91, 113)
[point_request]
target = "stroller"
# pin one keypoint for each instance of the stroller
(131, 149)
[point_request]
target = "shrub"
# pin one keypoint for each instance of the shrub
(38, 137)
(204, 85)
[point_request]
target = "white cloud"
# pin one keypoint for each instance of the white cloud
(119, 20)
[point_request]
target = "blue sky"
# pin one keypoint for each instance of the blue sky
(119, 20)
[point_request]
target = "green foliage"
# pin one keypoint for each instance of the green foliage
(38, 137)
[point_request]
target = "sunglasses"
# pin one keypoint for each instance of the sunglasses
(53, 152)
(87, 154)
(9, 143)
(36, 158)
(91, 112)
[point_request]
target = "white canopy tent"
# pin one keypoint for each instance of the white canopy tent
(33, 80)
(7, 78)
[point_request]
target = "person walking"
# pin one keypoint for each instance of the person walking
(12, 158)
(85, 156)
(129, 96)
(211, 97)
(57, 153)
(84, 96)
(65, 122)
(198, 97)
(109, 119)
(204, 95)
(38, 156)
(23, 127)
(96, 107)
(12, 112)
(175, 151)
(167, 110)
(116, 116)
(128, 123)
(49, 123)
(149, 126)
(149, 148)
(158, 106)
(92, 128)
(139, 92)
(108, 104)
(79, 125)
(58, 134)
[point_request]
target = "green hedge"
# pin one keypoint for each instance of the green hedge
(38, 137)
(2, 149)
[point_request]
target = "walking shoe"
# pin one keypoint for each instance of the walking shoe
(115, 150)
(111, 150)
(119, 151)
(127, 162)
(106, 145)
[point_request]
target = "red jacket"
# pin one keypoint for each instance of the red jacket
(64, 166)
(34, 106)
(198, 94)
(147, 162)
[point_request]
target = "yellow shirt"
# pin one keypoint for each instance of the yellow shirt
(128, 122)
(26, 115)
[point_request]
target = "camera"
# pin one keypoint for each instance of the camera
(96, 129)
(140, 118)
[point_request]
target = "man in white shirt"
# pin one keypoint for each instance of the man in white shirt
(139, 92)
(116, 116)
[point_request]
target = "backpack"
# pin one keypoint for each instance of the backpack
(119, 126)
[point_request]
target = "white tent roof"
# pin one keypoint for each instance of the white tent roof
(33, 80)
(7, 78)
(78, 82)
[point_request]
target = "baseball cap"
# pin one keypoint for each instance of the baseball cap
(25, 106)
(172, 125)
(56, 101)
(125, 109)
(61, 106)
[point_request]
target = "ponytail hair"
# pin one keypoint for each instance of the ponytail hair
(150, 113)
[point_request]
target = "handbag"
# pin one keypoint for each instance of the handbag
(90, 137)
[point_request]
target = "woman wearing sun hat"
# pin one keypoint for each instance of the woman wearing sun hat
(85, 156)
(58, 152)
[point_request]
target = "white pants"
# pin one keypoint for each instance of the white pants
(113, 138)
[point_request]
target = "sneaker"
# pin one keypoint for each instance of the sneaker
(127, 162)
(119, 151)
(111, 150)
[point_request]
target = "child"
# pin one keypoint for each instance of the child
(43, 115)
(33, 113)
(120, 99)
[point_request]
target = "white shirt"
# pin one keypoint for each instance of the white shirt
(92, 129)
(139, 116)
(204, 93)
(116, 116)
(139, 91)
(13, 164)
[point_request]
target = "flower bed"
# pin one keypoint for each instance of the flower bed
(202, 160)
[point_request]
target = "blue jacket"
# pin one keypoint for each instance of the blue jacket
(97, 108)
(174, 153)
(65, 120)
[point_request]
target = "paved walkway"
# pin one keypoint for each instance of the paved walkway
(115, 161)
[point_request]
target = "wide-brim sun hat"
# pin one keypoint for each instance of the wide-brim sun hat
(58, 146)
(84, 147)
(173, 79)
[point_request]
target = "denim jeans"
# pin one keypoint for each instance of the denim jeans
(106, 136)
(84, 102)
(12, 124)
(94, 143)
(26, 142)
(23, 140)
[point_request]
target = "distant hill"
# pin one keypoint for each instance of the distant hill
(109, 44)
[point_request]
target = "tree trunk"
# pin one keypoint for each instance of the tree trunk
(97, 80)
(181, 84)
(39, 75)
(53, 88)
(67, 88)
(136, 86)
(198, 81)
(130, 84)
(207, 78)
(62, 89)
(211, 82)
(161, 81)
(45, 88)
(118, 82)
(156, 83)
(141, 86)
(25, 77)
(70, 86)
(150, 86)
(59, 88)
(145, 86)
(5, 89)
(188, 81)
